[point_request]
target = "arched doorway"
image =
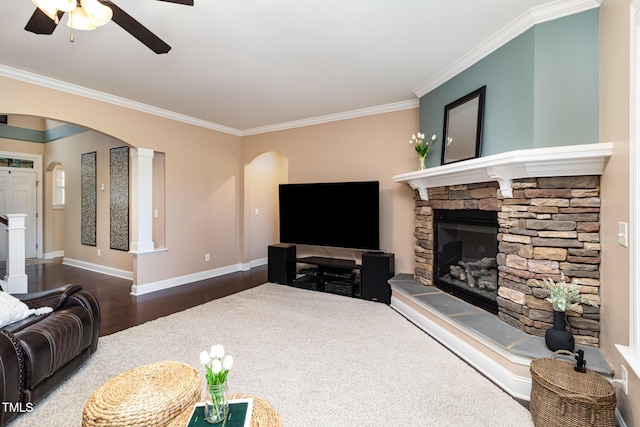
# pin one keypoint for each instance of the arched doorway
(261, 179)
(55, 192)
(59, 147)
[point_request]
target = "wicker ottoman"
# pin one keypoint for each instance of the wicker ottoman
(150, 395)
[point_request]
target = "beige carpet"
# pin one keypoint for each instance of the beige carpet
(320, 359)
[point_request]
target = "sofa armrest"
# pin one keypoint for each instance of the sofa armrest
(90, 303)
(54, 298)
(67, 296)
(11, 376)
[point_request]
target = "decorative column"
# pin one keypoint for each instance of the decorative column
(15, 277)
(141, 200)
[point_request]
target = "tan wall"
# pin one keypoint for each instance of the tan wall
(68, 151)
(614, 127)
(27, 122)
(159, 205)
(203, 176)
(21, 146)
(54, 233)
(309, 152)
(362, 149)
(262, 177)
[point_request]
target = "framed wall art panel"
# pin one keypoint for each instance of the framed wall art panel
(119, 198)
(88, 199)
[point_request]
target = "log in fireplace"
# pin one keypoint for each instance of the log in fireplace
(465, 261)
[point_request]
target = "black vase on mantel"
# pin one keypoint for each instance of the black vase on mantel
(558, 337)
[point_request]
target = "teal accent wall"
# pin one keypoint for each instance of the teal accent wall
(32, 135)
(542, 89)
(21, 134)
(62, 131)
(566, 96)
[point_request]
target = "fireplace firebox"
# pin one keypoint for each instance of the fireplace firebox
(465, 264)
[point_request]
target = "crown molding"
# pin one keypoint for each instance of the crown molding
(36, 79)
(370, 111)
(62, 86)
(548, 12)
(536, 15)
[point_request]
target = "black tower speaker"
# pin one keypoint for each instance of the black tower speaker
(377, 269)
(282, 264)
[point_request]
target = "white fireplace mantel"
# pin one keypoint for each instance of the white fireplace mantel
(571, 160)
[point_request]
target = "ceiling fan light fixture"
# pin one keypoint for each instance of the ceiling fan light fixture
(97, 13)
(65, 5)
(89, 14)
(78, 20)
(49, 7)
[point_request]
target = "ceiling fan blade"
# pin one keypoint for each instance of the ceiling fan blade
(136, 29)
(185, 2)
(40, 23)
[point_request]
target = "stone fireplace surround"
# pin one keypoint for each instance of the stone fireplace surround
(548, 205)
(551, 226)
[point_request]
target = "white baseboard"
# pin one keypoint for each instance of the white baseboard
(258, 262)
(246, 266)
(183, 280)
(517, 386)
(166, 283)
(123, 274)
(54, 254)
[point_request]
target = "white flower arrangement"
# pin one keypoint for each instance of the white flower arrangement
(217, 364)
(562, 295)
(422, 148)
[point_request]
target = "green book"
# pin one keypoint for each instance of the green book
(240, 411)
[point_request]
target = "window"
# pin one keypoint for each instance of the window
(10, 162)
(58, 187)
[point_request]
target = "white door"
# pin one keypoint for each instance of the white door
(18, 195)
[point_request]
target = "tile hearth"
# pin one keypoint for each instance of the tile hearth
(486, 328)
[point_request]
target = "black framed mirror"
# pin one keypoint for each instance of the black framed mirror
(463, 127)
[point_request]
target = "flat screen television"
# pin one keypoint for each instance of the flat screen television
(336, 214)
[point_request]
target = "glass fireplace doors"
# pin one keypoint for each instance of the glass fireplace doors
(466, 248)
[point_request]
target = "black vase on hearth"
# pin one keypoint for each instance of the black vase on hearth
(559, 337)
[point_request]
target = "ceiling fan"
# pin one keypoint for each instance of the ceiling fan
(49, 12)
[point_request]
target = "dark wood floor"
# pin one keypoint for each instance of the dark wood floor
(121, 310)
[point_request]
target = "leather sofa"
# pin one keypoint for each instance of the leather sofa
(40, 352)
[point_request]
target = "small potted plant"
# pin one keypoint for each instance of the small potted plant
(562, 297)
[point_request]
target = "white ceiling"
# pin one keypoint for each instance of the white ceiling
(247, 65)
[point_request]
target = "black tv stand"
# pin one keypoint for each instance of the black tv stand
(334, 275)
(329, 262)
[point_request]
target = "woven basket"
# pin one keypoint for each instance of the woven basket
(560, 396)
